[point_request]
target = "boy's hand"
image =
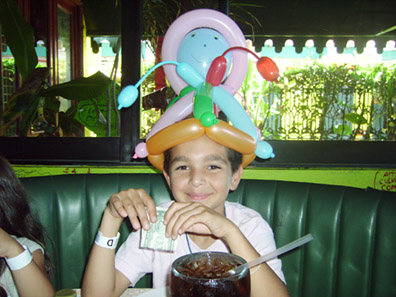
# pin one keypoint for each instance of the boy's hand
(195, 218)
(135, 204)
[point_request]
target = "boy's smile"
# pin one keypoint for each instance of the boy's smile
(200, 171)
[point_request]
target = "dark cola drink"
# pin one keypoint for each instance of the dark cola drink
(205, 274)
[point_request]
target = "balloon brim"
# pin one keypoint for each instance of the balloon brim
(191, 129)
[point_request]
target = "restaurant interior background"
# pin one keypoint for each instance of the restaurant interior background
(330, 119)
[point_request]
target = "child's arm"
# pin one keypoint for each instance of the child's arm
(264, 281)
(197, 218)
(100, 277)
(31, 280)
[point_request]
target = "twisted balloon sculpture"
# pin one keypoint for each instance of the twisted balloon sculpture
(197, 48)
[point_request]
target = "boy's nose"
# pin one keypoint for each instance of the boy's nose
(197, 178)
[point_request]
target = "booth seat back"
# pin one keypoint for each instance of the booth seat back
(353, 252)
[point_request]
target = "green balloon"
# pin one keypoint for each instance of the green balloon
(208, 119)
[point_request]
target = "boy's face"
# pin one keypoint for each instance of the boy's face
(200, 171)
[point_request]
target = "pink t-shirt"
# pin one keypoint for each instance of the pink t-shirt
(135, 262)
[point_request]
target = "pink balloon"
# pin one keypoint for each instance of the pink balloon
(141, 150)
(228, 89)
(177, 112)
(207, 18)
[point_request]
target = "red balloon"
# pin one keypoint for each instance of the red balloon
(216, 71)
(268, 69)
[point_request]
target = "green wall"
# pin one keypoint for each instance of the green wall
(382, 179)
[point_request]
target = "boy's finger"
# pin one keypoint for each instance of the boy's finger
(132, 215)
(172, 209)
(117, 206)
(179, 215)
(136, 208)
(142, 214)
(149, 204)
(191, 225)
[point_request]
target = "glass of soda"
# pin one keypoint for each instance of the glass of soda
(204, 274)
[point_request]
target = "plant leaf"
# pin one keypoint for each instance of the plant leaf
(19, 37)
(81, 88)
(24, 101)
(28, 116)
(342, 130)
(355, 118)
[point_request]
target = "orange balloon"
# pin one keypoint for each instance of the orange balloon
(247, 159)
(232, 138)
(191, 129)
(173, 135)
(157, 161)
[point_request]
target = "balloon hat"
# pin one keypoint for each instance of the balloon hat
(205, 62)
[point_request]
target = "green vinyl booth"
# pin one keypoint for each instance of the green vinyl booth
(353, 252)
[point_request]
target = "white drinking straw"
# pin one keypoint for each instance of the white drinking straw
(273, 254)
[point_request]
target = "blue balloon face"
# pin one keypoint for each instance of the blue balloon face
(200, 47)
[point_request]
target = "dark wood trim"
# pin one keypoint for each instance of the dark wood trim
(52, 44)
(74, 8)
(77, 42)
(106, 150)
(331, 154)
(130, 44)
(24, 6)
(60, 150)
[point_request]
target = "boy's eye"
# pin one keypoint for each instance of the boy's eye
(212, 167)
(182, 167)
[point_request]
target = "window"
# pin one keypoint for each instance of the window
(338, 94)
(119, 150)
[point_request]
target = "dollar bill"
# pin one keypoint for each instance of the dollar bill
(155, 238)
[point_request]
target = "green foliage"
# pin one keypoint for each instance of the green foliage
(34, 105)
(261, 100)
(82, 88)
(9, 65)
(319, 101)
(94, 115)
(148, 117)
(25, 103)
(20, 37)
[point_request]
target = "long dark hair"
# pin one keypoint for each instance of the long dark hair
(16, 216)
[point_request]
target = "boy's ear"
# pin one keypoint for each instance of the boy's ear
(167, 178)
(236, 178)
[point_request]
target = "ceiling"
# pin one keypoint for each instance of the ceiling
(299, 20)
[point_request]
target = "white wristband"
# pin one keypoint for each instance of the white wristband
(20, 261)
(107, 242)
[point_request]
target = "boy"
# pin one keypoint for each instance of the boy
(200, 174)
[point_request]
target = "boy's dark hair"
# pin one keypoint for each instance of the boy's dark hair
(234, 157)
